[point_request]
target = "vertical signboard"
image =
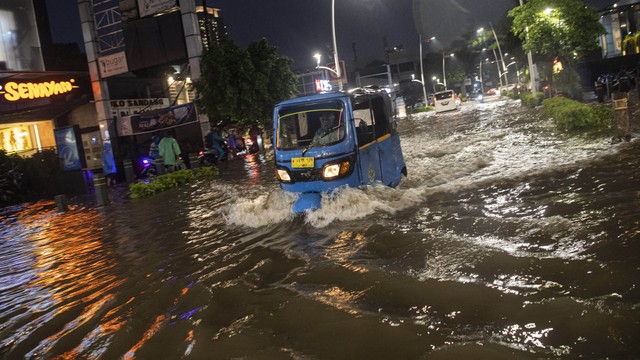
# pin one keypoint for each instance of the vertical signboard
(70, 150)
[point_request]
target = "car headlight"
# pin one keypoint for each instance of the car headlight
(283, 175)
(334, 170)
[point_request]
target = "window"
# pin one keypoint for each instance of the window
(371, 119)
(312, 125)
(444, 95)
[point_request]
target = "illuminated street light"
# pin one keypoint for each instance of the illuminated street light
(335, 45)
(502, 71)
(444, 74)
(335, 48)
(424, 90)
(318, 66)
(481, 79)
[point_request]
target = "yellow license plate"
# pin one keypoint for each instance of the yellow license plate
(302, 162)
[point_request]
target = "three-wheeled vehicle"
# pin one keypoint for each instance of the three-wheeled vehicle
(330, 140)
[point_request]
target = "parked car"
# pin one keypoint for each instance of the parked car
(446, 100)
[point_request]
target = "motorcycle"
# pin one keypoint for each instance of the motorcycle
(146, 168)
(207, 157)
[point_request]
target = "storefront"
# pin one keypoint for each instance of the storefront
(34, 104)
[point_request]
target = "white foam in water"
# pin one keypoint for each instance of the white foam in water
(343, 205)
(269, 209)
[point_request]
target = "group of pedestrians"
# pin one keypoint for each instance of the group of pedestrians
(166, 148)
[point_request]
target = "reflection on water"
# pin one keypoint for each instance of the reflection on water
(507, 240)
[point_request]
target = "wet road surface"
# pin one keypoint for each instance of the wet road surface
(508, 240)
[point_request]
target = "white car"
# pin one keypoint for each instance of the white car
(446, 100)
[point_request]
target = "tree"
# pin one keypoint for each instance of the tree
(273, 80)
(567, 30)
(223, 89)
(243, 86)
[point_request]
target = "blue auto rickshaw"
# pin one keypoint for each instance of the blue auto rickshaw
(326, 141)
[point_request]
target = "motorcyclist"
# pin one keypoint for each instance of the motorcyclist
(216, 142)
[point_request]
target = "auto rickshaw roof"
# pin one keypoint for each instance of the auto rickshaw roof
(353, 94)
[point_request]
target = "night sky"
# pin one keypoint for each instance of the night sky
(300, 28)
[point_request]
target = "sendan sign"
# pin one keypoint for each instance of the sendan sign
(14, 91)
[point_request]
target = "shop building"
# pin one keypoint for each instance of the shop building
(34, 102)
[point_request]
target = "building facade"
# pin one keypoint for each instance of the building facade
(621, 21)
(34, 102)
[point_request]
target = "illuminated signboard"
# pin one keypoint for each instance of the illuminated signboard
(323, 85)
(14, 91)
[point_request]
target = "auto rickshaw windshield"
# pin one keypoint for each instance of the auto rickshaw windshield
(310, 126)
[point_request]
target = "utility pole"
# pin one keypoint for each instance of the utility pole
(532, 74)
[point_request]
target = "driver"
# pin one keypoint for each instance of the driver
(329, 131)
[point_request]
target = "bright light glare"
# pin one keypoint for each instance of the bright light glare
(331, 171)
(548, 11)
(283, 175)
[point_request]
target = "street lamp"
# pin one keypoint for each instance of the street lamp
(433, 82)
(318, 66)
(517, 71)
(444, 75)
(504, 68)
(335, 49)
(335, 45)
(532, 74)
(424, 90)
(481, 78)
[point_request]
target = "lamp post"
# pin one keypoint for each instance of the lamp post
(336, 72)
(481, 79)
(517, 72)
(335, 44)
(500, 71)
(433, 82)
(504, 67)
(424, 90)
(532, 74)
(444, 74)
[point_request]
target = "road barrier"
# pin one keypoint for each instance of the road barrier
(128, 170)
(100, 187)
(621, 116)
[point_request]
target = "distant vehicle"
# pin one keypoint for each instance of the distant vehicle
(430, 100)
(446, 100)
(331, 140)
(478, 96)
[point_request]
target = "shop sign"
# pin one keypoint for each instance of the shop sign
(169, 118)
(113, 64)
(14, 91)
(125, 107)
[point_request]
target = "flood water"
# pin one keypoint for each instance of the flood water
(508, 240)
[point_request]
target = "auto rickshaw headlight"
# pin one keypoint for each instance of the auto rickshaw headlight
(334, 170)
(283, 175)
